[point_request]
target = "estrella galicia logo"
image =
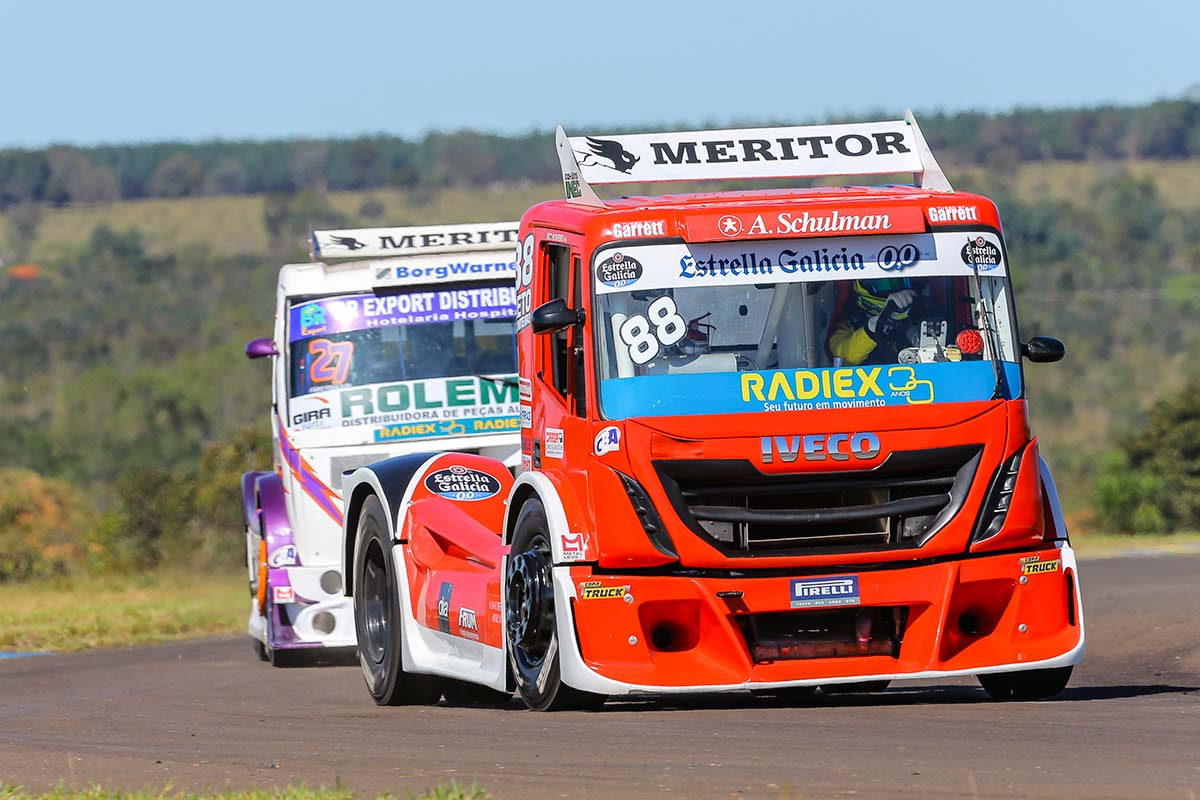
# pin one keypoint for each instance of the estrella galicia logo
(312, 319)
(348, 242)
(443, 607)
(610, 151)
(462, 483)
(981, 254)
(841, 590)
(619, 270)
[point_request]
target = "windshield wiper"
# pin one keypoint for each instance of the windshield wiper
(508, 380)
(1000, 390)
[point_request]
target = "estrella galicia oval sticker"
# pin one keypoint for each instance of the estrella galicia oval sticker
(462, 483)
(619, 270)
(981, 254)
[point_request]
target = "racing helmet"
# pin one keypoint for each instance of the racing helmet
(871, 295)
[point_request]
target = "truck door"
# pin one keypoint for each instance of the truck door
(560, 419)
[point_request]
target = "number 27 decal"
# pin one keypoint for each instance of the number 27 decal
(330, 361)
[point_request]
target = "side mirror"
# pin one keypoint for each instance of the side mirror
(259, 348)
(1043, 349)
(554, 316)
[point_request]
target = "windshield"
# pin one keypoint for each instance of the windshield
(804, 324)
(410, 364)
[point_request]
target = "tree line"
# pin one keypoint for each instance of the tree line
(62, 175)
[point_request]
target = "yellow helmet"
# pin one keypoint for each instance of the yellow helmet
(871, 295)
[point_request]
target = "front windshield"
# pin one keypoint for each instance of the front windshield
(783, 325)
(411, 364)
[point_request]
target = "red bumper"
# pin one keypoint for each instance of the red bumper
(977, 614)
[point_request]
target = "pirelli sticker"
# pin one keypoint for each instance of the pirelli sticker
(1033, 565)
(594, 590)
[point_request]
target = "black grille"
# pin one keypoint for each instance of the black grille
(901, 503)
(844, 633)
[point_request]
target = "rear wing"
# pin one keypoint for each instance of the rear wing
(810, 151)
(433, 254)
(423, 241)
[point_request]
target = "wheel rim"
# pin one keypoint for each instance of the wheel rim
(530, 604)
(375, 603)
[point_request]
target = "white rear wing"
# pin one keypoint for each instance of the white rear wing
(422, 241)
(810, 151)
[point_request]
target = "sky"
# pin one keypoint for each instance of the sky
(89, 72)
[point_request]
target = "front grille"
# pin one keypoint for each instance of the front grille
(743, 511)
(844, 633)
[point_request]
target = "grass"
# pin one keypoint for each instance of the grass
(450, 791)
(82, 613)
(1108, 545)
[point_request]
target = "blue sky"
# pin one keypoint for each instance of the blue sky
(87, 72)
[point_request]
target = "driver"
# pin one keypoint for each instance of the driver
(862, 334)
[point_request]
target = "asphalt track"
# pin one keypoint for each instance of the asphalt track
(208, 714)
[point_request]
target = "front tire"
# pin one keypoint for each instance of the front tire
(1032, 684)
(860, 687)
(531, 618)
(377, 617)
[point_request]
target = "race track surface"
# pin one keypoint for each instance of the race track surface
(208, 714)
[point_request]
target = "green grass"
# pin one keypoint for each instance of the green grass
(82, 613)
(450, 791)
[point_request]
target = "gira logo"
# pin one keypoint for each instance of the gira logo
(803, 384)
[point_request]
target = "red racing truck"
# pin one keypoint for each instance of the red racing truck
(771, 441)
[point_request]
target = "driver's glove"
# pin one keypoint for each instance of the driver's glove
(896, 303)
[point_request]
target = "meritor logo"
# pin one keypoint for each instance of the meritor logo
(609, 150)
(348, 242)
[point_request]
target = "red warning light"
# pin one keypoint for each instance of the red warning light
(969, 341)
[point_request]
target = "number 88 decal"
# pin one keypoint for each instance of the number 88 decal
(668, 328)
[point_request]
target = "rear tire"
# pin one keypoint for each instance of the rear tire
(1033, 684)
(531, 619)
(377, 617)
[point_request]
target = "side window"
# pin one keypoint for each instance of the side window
(562, 352)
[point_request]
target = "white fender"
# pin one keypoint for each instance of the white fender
(556, 517)
(424, 650)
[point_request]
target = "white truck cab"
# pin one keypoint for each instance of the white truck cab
(390, 341)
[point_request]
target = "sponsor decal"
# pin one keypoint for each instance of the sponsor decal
(791, 224)
(555, 236)
(1036, 566)
(594, 590)
(306, 418)
(443, 607)
(526, 416)
(524, 309)
(730, 225)
(457, 482)
(383, 273)
(525, 389)
(446, 428)
(283, 557)
(981, 254)
(638, 230)
(462, 269)
(618, 270)
(399, 241)
(283, 594)
(571, 187)
(606, 153)
(572, 547)
(782, 390)
(345, 243)
(841, 590)
(526, 463)
(468, 626)
(608, 440)
(819, 447)
(953, 214)
(349, 313)
(554, 442)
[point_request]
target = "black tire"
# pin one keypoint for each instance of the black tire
(377, 617)
(261, 650)
(461, 693)
(1032, 684)
(861, 687)
(531, 619)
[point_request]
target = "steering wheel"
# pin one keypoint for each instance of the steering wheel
(888, 328)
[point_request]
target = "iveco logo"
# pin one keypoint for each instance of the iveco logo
(819, 447)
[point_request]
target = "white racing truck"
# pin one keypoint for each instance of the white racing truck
(390, 341)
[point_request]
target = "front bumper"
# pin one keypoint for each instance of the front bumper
(964, 617)
(303, 612)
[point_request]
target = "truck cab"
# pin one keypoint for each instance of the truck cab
(389, 341)
(771, 440)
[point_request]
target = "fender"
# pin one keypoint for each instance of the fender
(250, 498)
(1050, 493)
(276, 528)
(388, 480)
(579, 544)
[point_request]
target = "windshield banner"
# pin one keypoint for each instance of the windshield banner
(759, 262)
(413, 409)
(359, 312)
(803, 389)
